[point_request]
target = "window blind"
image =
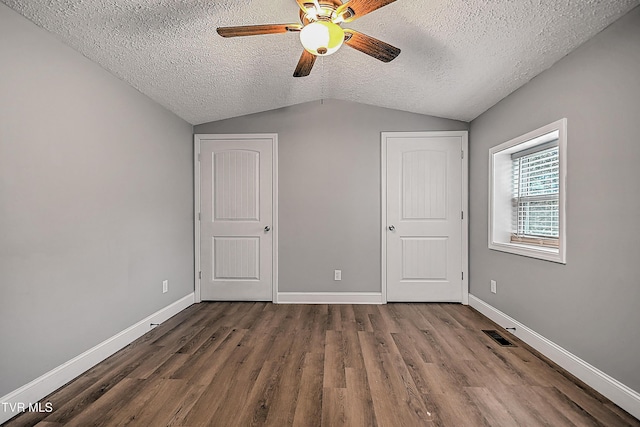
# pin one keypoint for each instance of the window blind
(535, 178)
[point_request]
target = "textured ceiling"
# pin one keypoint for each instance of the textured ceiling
(459, 57)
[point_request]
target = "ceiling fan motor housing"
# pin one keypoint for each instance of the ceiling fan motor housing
(327, 11)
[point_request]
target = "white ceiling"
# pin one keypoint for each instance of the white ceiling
(459, 57)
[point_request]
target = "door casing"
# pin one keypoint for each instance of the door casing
(464, 223)
(197, 140)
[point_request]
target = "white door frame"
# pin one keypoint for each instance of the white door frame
(464, 135)
(196, 186)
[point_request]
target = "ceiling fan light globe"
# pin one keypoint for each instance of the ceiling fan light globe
(322, 38)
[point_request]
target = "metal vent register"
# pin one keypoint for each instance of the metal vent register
(494, 335)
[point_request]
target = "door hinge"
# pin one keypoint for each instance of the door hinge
(461, 214)
(198, 156)
(199, 274)
(462, 154)
(199, 216)
(463, 275)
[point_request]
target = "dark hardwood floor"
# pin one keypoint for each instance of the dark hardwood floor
(242, 364)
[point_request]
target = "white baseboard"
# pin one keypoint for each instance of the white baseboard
(329, 298)
(42, 386)
(623, 396)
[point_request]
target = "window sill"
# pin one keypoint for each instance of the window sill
(531, 251)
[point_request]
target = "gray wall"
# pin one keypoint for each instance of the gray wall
(329, 191)
(95, 204)
(590, 305)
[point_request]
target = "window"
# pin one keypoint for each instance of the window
(527, 193)
(536, 192)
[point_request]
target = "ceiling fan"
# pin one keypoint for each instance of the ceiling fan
(321, 33)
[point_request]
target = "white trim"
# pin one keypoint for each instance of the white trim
(59, 376)
(197, 138)
(330, 298)
(274, 220)
(383, 215)
(623, 396)
(465, 205)
(196, 216)
(465, 218)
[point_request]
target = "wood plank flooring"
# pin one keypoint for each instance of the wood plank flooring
(244, 364)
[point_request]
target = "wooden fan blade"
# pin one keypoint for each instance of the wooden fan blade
(305, 64)
(372, 47)
(360, 8)
(254, 30)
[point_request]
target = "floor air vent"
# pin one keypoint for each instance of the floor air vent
(498, 338)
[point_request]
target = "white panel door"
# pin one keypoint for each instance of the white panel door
(236, 236)
(424, 225)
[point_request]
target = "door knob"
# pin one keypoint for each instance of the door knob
(267, 228)
(392, 228)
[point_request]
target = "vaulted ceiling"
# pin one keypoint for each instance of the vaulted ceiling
(459, 57)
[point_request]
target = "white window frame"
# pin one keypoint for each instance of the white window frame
(500, 193)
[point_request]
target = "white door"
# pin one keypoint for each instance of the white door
(236, 226)
(425, 231)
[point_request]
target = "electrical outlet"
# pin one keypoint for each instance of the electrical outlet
(337, 274)
(494, 289)
(165, 286)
